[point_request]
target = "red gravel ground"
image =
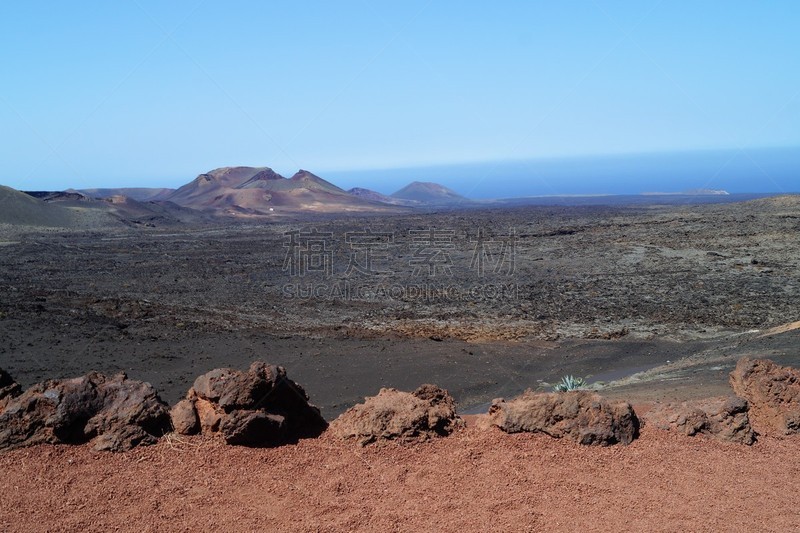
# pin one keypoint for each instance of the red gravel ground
(473, 481)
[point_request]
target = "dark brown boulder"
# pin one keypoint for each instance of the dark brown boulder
(583, 416)
(232, 389)
(184, 418)
(723, 418)
(247, 428)
(115, 413)
(259, 407)
(8, 388)
(773, 393)
(396, 415)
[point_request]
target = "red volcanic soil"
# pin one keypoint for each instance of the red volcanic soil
(473, 481)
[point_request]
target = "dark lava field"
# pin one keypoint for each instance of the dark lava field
(485, 302)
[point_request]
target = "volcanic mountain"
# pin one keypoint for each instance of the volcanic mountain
(75, 209)
(430, 194)
(254, 191)
(19, 208)
(375, 196)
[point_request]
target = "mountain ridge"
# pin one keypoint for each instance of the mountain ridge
(430, 193)
(260, 191)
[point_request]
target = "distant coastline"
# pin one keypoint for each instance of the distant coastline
(757, 170)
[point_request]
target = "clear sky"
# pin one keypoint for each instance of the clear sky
(151, 93)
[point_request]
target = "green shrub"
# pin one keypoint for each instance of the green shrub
(569, 383)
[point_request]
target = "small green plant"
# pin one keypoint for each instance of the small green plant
(569, 383)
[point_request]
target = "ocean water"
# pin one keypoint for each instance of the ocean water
(765, 170)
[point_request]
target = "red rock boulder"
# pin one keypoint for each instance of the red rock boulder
(722, 418)
(259, 407)
(402, 416)
(773, 393)
(583, 416)
(114, 414)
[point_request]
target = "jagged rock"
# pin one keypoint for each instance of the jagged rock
(8, 388)
(184, 418)
(260, 407)
(115, 413)
(209, 415)
(248, 427)
(583, 416)
(773, 393)
(723, 418)
(232, 389)
(395, 415)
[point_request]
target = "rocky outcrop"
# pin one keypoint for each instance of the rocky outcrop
(403, 416)
(723, 418)
(114, 413)
(259, 407)
(773, 393)
(583, 416)
(8, 388)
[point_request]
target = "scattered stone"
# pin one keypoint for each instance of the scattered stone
(723, 418)
(260, 407)
(583, 416)
(403, 416)
(8, 388)
(773, 393)
(116, 414)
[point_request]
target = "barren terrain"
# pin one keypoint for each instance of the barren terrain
(472, 481)
(650, 303)
(599, 292)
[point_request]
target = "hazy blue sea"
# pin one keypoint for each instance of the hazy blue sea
(769, 170)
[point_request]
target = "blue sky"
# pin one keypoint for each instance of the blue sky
(141, 93)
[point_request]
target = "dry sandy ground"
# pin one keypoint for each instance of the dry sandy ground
(473, 481)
